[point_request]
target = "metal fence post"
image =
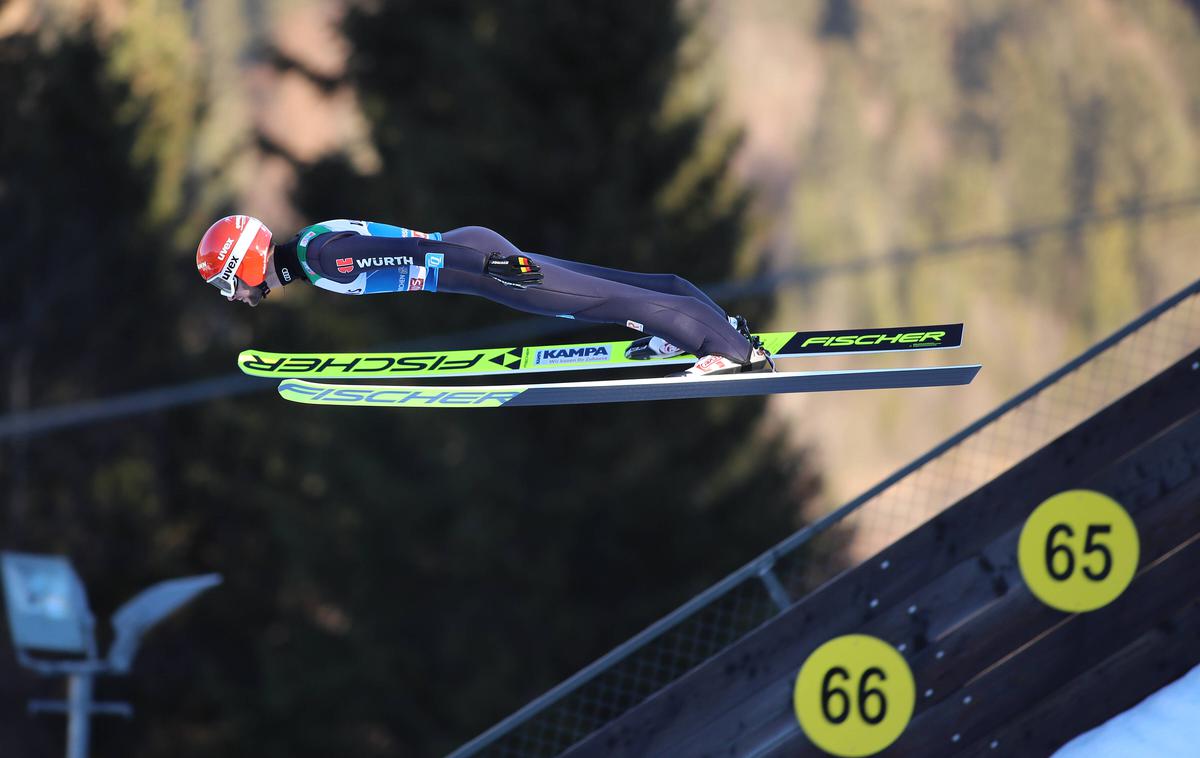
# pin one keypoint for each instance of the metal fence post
(79, 714)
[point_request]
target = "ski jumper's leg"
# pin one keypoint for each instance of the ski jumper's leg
(692, 323)
(482, 238)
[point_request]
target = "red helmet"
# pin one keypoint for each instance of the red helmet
(234, 247)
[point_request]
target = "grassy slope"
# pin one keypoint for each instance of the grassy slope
(941, 121)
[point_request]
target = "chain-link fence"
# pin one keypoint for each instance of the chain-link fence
(744, 600)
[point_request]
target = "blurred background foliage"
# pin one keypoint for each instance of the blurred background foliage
(1029, 168)
(395, 583)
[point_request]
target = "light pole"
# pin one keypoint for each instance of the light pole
(48, 611)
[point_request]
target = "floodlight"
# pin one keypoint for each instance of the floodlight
(145, 610)
(48, 611)
(47, 605)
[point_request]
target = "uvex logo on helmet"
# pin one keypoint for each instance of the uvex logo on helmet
(235, 247)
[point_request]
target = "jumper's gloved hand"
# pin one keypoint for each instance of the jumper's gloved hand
(513, 270)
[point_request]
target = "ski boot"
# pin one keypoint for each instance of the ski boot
(714, 365)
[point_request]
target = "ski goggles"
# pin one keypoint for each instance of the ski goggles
(227, 287)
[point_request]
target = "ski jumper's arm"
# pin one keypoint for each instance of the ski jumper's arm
(362, 258)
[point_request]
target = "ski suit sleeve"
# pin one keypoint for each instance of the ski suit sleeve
(357, 264)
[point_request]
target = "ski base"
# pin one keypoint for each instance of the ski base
(618, 391)
(576, 357)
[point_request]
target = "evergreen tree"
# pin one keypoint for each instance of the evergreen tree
(513, 548)
(101, 302)
(93, 308)
(394, 583)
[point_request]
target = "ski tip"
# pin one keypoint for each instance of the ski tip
(257, 362)
(298, 391)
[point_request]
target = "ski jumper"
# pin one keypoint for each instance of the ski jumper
(362, 257)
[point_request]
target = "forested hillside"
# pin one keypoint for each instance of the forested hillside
(396, 583)
(1030, 168)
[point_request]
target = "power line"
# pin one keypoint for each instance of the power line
(42, 420)
(26, 424)
(1014, 239)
